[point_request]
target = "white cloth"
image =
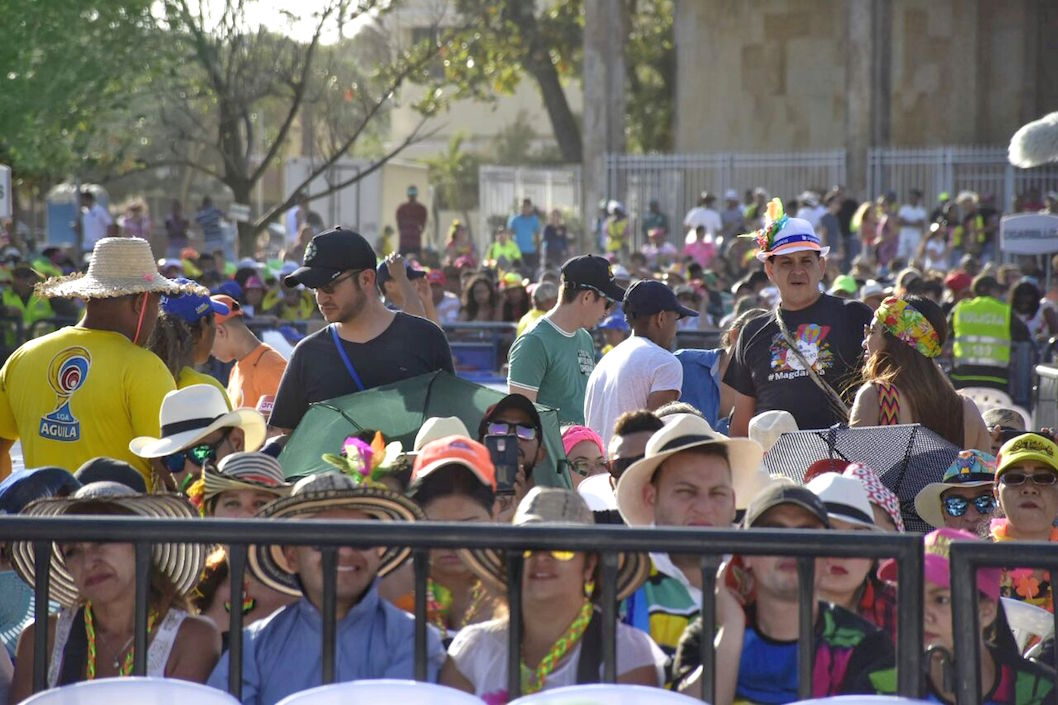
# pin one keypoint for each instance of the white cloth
(700, 215)
(934, 255)
(480, 654)
(910, 236)
(291, 221)
(448, 309)
(158, 651)
(813, 214)
(623, 380)
(96, 220)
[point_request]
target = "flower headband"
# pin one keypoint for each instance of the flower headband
(365, 462)
(903, 321)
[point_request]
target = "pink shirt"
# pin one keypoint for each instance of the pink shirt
(702, 252)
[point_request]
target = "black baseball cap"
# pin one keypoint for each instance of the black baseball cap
(328, 255)
(647, 297)
(511, 401)
(111, 470)
(593, 272)
(382, 274)
(778, 493)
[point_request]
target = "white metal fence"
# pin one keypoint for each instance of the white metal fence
(502, 188)
(676, 180)
(936, 170)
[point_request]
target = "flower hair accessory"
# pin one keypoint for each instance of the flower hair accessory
(782, 235)
(774, 220)
(366, 462)
(903, 321)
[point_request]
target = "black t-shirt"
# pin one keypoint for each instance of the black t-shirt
(829, 334)
(410, 346)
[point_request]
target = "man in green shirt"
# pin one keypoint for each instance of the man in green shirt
(551, 363)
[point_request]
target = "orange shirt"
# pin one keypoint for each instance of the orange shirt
(256, 375)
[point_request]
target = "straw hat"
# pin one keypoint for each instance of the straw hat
(190, 414)
(244, 471)
(971, 468)
(319, 493)
(553, 506)
(119, 266)
(180, 562)
(438, 427)
(684, 432)
(766, 427)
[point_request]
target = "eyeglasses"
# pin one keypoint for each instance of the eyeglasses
(587, 468)
(617, 467)
(502, 428)
(1015, 478)
(564, 556)
(198, 455)
(957, 506)
(330, 286)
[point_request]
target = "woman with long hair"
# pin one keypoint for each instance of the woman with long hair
(92, 636)
(561, 625)
(902, 382)
(481, 301)
(1037, 313)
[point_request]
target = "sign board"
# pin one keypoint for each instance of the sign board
(1028, 234)
(6, 210)
(239, 212)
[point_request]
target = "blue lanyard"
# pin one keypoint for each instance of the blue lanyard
(345, 358)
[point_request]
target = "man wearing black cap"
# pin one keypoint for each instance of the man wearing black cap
(514, 415)
(551, 363)
(640, 372)
(365, 346)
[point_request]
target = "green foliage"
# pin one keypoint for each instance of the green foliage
(650, 62)
(454, 176)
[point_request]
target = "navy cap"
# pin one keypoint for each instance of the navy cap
(329, 254)
(647, 297)
(382, 274)
(192, 308)
(592, 272)
(111, 470)
(25, 486)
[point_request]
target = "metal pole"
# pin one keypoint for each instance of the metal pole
(806, 596)
(609, 618)
(514, 627)
(237, 571)
(966, 629)
(329, 554)
(143, 586)
(706, 646)
(421, 563)
(42, 574)
(909, 623)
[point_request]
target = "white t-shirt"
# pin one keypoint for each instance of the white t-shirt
(448, 309)
(812, 214)
(700, 215)
(96, 220)
(480, 654)
(912, 214)
(623, 380)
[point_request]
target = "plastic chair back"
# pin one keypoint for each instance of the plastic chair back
(1027, 621)
(142, 691)
(606, 694)
(986, 397)
(862, 700)
(380, 691)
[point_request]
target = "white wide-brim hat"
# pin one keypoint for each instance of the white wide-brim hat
(683, 432)
(766, 427)
(845, 499)
(437, 427)
(182, 563)
(598, 493)
(190, 414)
(119, 266)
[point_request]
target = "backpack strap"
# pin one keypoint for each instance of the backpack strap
(888, 404)
(590, 651)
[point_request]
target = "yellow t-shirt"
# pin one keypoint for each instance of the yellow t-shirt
(189, 376)
(530, 319)
(80, 393)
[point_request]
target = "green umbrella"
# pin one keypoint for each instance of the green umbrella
(399, 410)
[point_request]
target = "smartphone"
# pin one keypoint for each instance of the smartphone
(504, 453)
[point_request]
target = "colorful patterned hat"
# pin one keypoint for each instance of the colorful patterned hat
(783, 235)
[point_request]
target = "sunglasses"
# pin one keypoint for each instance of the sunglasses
(610, 303)
(198, 455)
(1015, 478)
(501, 428)
(957, 506)
(563, 556)
(330, 286)
(587, 468)
(618, 467)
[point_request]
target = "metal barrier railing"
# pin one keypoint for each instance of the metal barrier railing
(607, 541)
(966, 558)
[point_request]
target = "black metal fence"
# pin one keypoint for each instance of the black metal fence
(606, 541)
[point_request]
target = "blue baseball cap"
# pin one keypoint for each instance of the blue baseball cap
(25, 486)
(228, 288)
(191, 308)
(382, 274)
(615, 321)
(647, 297)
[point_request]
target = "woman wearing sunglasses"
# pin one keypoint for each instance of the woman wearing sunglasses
(585, 453)
(1027, 490)
(902, 382)
(561, 625)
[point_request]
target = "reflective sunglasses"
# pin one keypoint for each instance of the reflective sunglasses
(198, 455)
(587, 468)
(1042, 478)
(563, 556)
(618, 467)
(957, 506)
(501, 428)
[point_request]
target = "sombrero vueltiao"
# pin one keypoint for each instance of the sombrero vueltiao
(120, 266)
(553, 506)
(180, 562)
(245, 471)
(319, 493)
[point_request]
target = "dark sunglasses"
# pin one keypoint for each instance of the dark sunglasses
(500, 428)
(1015, 478)
(618, 467)
(957, 506)
(610, 303)
(198, 455)
(330, 286)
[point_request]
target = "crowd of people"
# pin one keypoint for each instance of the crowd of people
(826, 312)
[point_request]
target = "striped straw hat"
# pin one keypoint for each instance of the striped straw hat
(119, 266)
(245, 471)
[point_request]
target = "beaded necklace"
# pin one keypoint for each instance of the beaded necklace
(533, 679)
(90, 631)
(439, 604)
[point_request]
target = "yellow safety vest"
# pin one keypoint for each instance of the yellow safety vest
(32, 310)
(982, 332)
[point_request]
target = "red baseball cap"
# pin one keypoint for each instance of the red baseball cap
(957, 281)
(234, 308)
(455, 450)
(436, 276)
